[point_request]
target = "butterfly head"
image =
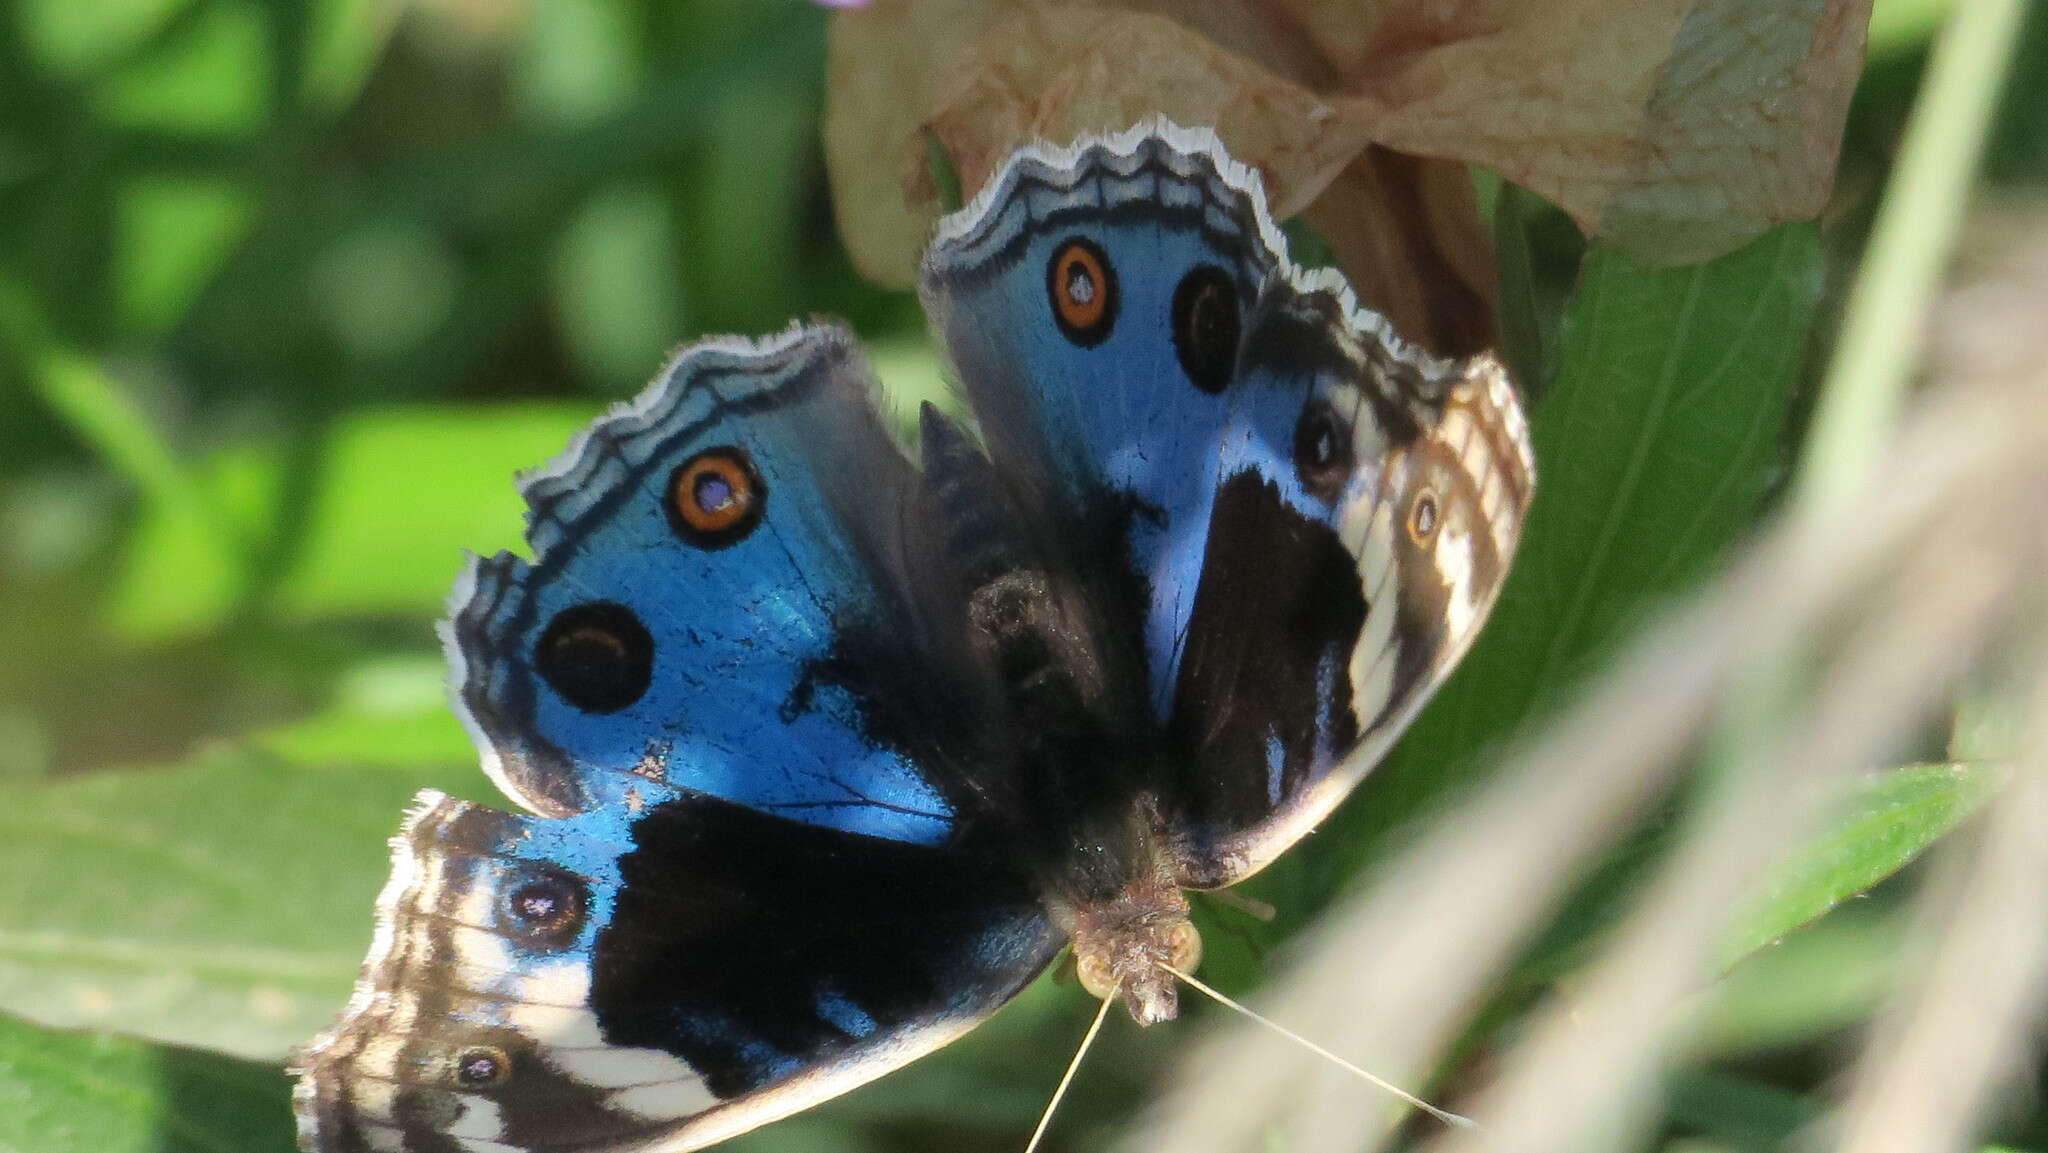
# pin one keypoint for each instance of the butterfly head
(1123, 947)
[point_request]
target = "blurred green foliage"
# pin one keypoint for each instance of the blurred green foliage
(261, 263)
(289, 289)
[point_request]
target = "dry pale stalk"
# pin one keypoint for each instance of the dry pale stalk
(1408, 961)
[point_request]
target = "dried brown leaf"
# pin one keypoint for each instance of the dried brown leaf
(1677, 130)
(982, 78)
(1407, 232)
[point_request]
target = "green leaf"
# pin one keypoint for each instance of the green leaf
(759, 139)
(1824, 977)
(174, 234)
(1748, 1114)
(616, 291)
(184, 569)
(344, 40)
(1816, 982)
(1892, 818)
(1653, 449)
(399, 492)
(101, 413)
(1901, 26)
(391, 714)
(69, 38)
(579, 62)
(224, 903)
(85, 1093)
(211, 77)
(383, 289)
(412, 488)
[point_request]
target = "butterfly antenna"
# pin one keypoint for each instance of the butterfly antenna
(1444, 1115)
(1066, 1079)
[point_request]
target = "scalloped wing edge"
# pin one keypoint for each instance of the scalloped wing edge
(715, 1123)
(655, 402)
(1373, 342)
(383, 939)
(1497, 419)
(1068, 165)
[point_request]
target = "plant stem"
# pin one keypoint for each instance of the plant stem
(1884, 323)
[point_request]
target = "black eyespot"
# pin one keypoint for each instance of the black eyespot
(1423, 516)
(482, 1066)
(1082, 284)
(546, 910)
(1322, 451)
(597, 656)
(1205, 327)
(715, 498)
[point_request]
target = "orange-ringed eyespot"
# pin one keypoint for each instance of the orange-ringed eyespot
(1082, 285)
(597, 656)
(716, 497)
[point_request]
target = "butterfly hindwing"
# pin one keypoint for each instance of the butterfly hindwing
(651, 638)
(657, 975)
(1372, 501)
(728, 685)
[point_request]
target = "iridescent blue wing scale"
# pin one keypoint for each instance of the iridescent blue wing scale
(1316, 517)
(1116, 410)
(633, 646)
(757, 874)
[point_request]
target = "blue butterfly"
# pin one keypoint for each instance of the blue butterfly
(831, 743)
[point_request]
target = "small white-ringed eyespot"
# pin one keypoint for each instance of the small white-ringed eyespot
(1424, 518)
(483, 1067)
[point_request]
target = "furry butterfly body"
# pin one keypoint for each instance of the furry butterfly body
(831, 742)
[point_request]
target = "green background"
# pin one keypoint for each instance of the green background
(288, 291)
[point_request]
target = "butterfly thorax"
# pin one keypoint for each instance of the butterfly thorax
(1123, 945)
(1081, 809)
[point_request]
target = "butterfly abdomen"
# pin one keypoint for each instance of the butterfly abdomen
(1123, 941)
(1063, 740)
